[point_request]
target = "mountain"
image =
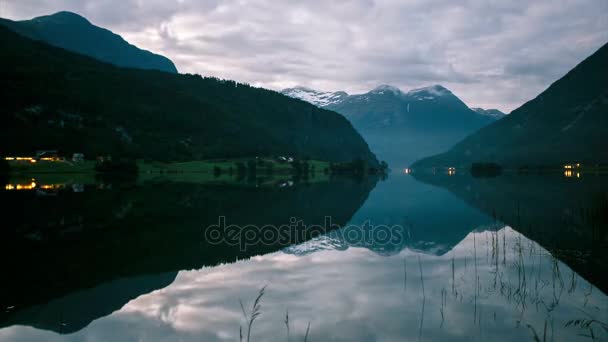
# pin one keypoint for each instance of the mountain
(415, 216)
(318, 98)
(402, 127)
(72, 32)
(99, 301)
(433, 108)
(55, 99)
(565, 123)
(570, 219)
(495, 113)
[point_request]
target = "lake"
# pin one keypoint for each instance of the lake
(420, 257)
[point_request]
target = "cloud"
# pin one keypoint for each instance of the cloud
(490, 53)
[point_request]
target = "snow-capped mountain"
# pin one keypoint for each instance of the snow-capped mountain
(429, 93)
(385, 88)
(325, 99)
(319, 243)
(493, 113)
(387, 107)
(318, 98)
(399, 126)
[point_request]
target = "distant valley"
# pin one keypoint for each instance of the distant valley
(402, 127)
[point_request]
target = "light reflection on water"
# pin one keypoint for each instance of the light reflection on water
(491, 286)
(455, 278)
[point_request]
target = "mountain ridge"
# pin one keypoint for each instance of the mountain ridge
(490, 112)
(565, 123)
(402, 127)
(315, 97)
(338, 99)
(53, 100)
(76, 33)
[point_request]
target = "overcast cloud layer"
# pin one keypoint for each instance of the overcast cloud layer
(491, 53)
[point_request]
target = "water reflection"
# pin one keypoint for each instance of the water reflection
(569, 218)
(137, 269)
(494, 285)
(79, 240)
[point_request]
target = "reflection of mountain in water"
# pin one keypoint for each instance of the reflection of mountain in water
(76, 310)
(76, 241)
(343, 239)
(418, 216)
(493, 286)
(569, 217)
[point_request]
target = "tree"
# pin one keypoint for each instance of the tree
(252, 170)
(217, 171)
(117, 168)
(269, 168)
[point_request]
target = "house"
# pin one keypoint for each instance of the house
(48, 155)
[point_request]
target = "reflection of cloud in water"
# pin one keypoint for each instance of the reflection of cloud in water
(357, 295)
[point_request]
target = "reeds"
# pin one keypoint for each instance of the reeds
(307, 331)
(423, 300)
(287, 323)
(256, 311)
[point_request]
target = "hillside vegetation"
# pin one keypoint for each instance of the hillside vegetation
(564, 124)
(55, 99)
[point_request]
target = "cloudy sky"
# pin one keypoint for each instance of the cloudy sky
(491, 53)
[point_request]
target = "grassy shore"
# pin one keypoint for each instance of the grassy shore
(268, 171)
(145, 167)
(26, 167)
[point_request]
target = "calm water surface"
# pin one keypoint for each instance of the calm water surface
(511, 258)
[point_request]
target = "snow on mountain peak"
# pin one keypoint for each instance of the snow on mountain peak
(494, 113)
(436, 90)
(317, 98)
(429, 93)
(387, 88)
(323, 99)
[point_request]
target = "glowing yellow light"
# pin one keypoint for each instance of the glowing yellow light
(9, 158)
(568, 173)
(32, 160)
(578, 165)
(578, 175)
(30, 186)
